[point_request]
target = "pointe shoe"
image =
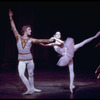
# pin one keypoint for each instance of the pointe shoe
(36, 90)
(71, 88)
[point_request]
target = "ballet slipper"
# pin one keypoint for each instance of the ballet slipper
(71, 88)
(36, 90)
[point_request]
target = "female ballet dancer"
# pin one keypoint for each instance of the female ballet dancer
(67, 49)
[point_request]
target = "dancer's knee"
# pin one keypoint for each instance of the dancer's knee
(30, 74)
(21, 75)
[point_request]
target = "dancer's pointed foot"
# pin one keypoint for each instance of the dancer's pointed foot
(71, 88)
(36, 90)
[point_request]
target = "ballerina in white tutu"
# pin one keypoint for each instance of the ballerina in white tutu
(67, 49)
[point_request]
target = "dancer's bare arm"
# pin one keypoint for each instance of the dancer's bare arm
(50, 44)
(59, 40)
(77, 46)
(13, 27)
(57, 43)
(42, 40)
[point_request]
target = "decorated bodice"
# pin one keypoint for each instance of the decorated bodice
(67, 49)
(24, 45)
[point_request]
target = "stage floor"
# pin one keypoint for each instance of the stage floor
(53, 83)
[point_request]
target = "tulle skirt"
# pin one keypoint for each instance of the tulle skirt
(63, 61)
(67, 54)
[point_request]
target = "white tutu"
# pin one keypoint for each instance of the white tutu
(67, 52)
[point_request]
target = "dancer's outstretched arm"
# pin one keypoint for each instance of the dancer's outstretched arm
(50, 44)
(34, 40)
(59, 40)
(13, 27)
(77, 46)
(58, 43)
(46, 45)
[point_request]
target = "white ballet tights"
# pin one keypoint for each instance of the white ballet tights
(71, 72)
(28, 82)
